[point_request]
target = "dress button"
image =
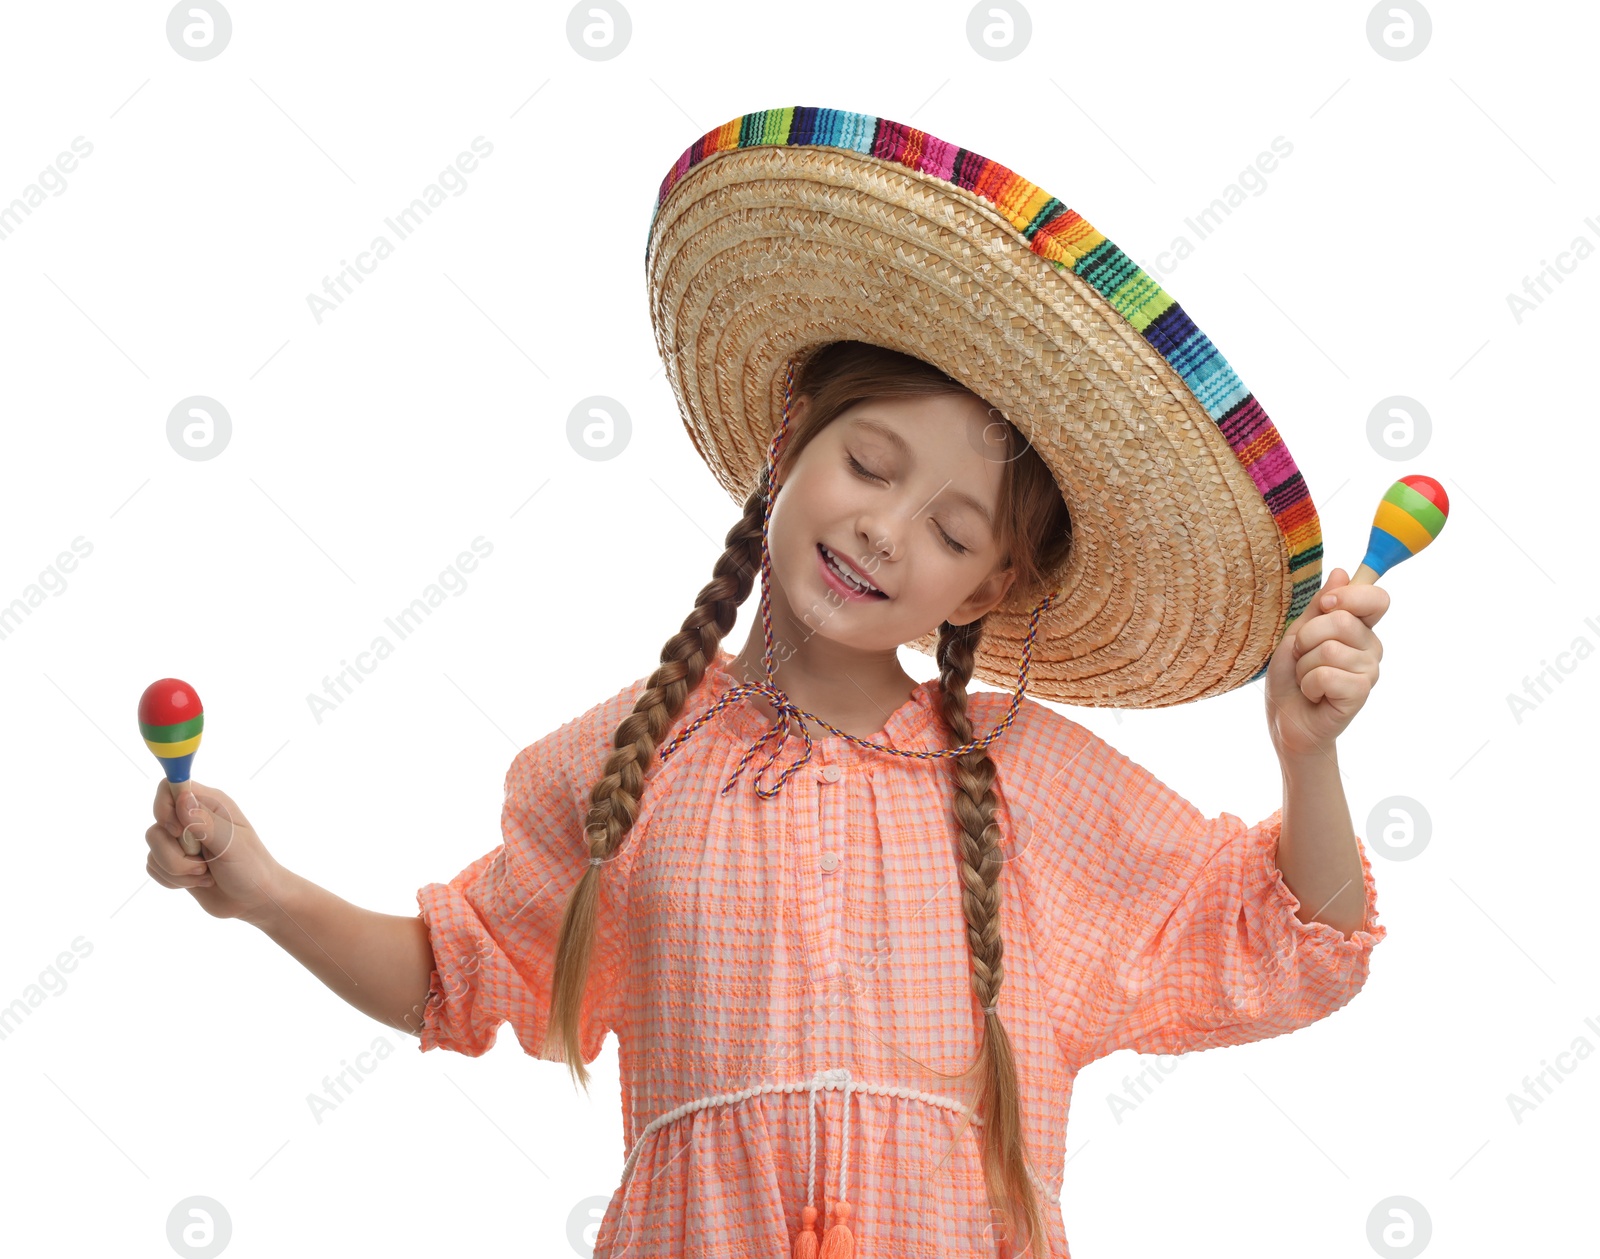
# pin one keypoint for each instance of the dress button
(830, 861)
(831, 773)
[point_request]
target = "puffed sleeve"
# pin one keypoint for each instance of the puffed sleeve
(494, 927)
(1204, 945)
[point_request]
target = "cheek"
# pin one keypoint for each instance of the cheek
(811, 506)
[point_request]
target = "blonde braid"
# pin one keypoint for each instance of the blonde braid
(614, 801)
(1005, 1159)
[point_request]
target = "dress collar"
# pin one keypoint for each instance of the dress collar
(915, 725)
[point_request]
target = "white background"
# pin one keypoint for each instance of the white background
(431, 407)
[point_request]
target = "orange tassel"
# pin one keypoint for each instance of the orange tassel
(840, 1242)
(805, 1245)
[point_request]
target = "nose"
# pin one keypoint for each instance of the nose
(878, 537)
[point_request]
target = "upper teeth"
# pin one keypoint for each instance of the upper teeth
(840, 568)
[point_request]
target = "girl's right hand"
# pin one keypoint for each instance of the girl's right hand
(234, 875)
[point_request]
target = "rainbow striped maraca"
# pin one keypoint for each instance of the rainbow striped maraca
(170, 719)
(1409, 517)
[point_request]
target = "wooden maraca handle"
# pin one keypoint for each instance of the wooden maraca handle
(191, 845)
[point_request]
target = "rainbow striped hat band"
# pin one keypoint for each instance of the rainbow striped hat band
(1194, 538)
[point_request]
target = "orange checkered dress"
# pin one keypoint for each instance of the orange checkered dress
(778, 972)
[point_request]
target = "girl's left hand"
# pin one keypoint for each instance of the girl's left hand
(1321, 673)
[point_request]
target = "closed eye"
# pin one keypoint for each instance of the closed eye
(860, 471)
(872, 476)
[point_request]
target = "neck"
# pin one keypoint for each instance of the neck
(856, 691)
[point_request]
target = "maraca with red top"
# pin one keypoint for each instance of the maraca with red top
(1409, 517)
(170, 719)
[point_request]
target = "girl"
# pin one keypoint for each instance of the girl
(840, 1029)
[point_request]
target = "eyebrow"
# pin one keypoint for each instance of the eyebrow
(904, 447)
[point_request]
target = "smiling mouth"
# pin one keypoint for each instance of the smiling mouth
(849, 583)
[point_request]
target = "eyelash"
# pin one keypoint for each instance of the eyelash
(862, 472)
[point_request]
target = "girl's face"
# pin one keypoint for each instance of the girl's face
(904, 489)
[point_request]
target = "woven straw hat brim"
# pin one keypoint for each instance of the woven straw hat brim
(1195, 541)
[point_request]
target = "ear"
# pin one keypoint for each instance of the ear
(798, 406)
(985, 598)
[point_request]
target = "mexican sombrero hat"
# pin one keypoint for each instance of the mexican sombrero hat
(1194, 538)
